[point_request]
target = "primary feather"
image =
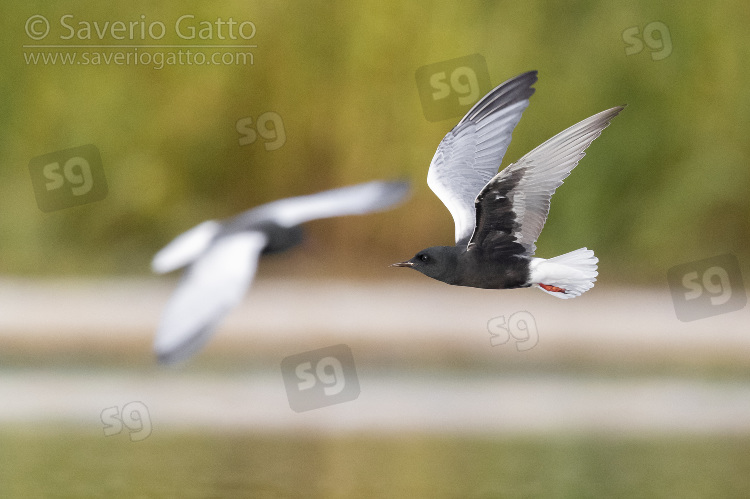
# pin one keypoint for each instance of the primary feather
(470, 154)
(514, 205)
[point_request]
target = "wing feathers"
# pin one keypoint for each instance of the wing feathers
(211, 287)
(513, 90)
(352, 200)
(541, 172)
(185, 248)
(470, 154)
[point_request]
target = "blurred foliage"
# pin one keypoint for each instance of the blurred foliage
(665, 184)
(59, 462)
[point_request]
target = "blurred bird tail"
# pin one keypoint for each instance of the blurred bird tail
(565, 276)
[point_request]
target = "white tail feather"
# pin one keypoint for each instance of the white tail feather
(573, 272)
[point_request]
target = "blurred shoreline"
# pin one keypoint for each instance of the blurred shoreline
(410, 320)
(613, 361)
(388, 404)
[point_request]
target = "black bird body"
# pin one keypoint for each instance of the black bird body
(278, 237)
(499, 216)
(473, 268)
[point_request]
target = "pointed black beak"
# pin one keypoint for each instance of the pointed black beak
(403, 264)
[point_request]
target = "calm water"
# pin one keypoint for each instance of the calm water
(63, 463)
(118, 433)
(647, 406)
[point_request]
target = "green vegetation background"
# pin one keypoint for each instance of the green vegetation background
(667, 183)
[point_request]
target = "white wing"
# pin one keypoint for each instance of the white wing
(211, 287)
(185, 248)
(526, 186)
(469, 156)
(353, 200)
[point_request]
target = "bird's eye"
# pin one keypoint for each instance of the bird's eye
(424, 258)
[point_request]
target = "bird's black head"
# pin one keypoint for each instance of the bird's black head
(438, 262)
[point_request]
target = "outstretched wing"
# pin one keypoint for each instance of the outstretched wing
(352, 200)
(470, 154)
(185, 248)
(213, 285)
(513, 206)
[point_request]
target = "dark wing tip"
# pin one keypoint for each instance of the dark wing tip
(172, 358)
(392, 192)
(593, 124)
(512, 91)
(602, 119)
(179, 354)
(177, 357)
(530, 76)
(400, 187)
(169, 359)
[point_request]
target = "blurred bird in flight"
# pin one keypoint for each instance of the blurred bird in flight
(222, 258)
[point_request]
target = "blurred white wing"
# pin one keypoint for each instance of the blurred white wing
(211, 287)
(470, 154)
(525, 187)
(353, 200)
(185, 248)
